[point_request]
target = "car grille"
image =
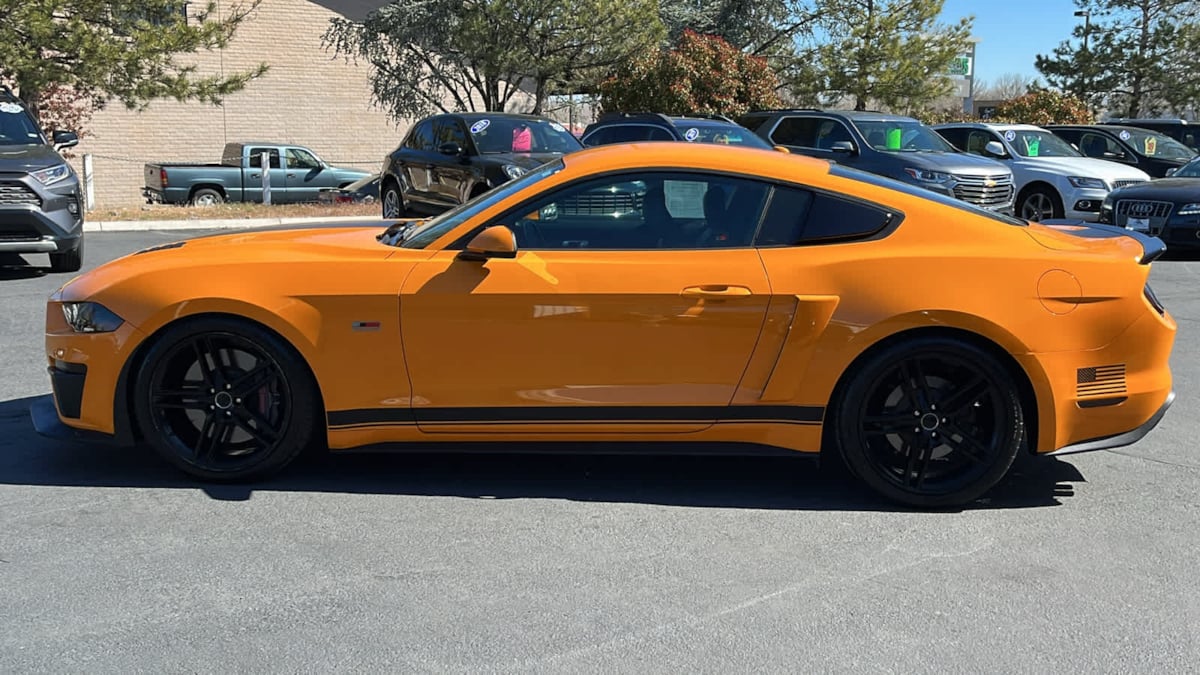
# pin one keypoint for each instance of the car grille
(1156, 212)
(1123, 183)
(19, 233)
(13, 192)
(601, 204)
(984, 190)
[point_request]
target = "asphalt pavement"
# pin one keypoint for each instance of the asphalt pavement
(112, 562)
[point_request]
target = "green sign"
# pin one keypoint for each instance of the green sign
(961, 66)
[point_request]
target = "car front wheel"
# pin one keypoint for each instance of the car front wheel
(393, 203)
(930, 422)
(224, 399)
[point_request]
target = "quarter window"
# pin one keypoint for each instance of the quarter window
(798, 131)
(421, 137)
(795, 216)
(451, 131)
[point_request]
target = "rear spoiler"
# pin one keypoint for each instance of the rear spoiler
(1152, 247)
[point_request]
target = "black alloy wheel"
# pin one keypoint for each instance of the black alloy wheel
(225, 400)
(931, 422)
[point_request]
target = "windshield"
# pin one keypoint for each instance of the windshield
(1156, 145)
(1189, 170)
(715, 132)
(1038, 143)
(16, 126)
(506, 134)
(424, 232)
(901, 136)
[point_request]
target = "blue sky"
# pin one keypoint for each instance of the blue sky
(1013, 32)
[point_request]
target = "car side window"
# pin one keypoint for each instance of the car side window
(645, 210)
(450, 131)
(300, 159)
(255, 155)
(421, 137)
(796, 216)
(598, 137)
(830, 132)
(798, 131)
(1100, 146)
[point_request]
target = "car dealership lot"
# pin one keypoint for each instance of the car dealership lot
(111, 561)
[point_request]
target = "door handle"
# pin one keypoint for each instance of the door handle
(256, 175)
(716, 291)
(291, 175)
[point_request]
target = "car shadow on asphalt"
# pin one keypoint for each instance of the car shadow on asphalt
(13, 267)
(781, 483)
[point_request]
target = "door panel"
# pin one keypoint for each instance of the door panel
(564, 340)
(252, 184)
(305, 177)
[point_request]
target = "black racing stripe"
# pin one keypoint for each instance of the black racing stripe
(569, 414)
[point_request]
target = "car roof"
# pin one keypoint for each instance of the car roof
(494, 116)
(989, 125)
(732, 159)
(1106, 127)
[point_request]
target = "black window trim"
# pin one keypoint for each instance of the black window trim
(897, 215)
(854, 135)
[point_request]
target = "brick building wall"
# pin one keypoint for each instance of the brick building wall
(309, 97)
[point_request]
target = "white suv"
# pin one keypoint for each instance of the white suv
(1053, 180)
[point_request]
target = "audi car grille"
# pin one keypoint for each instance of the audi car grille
(1156, 212)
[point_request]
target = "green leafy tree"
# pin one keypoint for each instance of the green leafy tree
(1042, 107)
(702, 74)
(760, 27)
(889, 53)
(68, 54)
(1135, 57)
(443, 55)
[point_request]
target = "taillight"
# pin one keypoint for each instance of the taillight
(162, 174)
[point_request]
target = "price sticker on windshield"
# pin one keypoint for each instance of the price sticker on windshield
(480, 126)
(11, 108)
(691, 134)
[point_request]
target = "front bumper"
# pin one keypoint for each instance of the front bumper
(1073, 197)
(39, 219)
(46, 422)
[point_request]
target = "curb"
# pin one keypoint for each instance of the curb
(215, 223)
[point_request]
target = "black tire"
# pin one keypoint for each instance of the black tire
(207, 197)
(68, 261)
(1040, 203)
(392, 202)
(930, 422)
(253, 401)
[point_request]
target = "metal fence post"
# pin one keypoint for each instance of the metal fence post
(266, 178)
(89, 183)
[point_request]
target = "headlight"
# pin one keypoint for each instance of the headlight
(52, 175)
(1190, 209)
(90, 317)
(513, 171)
(1085, 182)
(927, 176)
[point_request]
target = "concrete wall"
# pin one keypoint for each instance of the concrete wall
(308, 97)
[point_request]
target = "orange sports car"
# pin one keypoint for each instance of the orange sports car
(723, 297)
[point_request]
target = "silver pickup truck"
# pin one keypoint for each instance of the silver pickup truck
(297, 174)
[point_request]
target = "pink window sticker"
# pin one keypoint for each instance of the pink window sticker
(522, 139)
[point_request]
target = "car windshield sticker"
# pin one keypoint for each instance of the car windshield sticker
(894, 138)
(557, 127)
(480, 126)
(685, 198)
(1151, 145)
(691, 134)
(1033, 143)
(10, 108)
(1124, 135)
(1010, 135)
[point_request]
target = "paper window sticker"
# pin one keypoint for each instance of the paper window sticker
(894, 139)
(557, 127)
(685, 198)
(1010, 135)
(522, 140)
(691, 134)
(1151, 145)
(1033, 144)
(480, 126)
(11, 108)
(1124, 135)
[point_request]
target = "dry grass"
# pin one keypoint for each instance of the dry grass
(236, 210)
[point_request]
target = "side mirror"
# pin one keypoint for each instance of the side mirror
(65, 139)
(780, 148)
(843, 146)
(1171, 171)
(450, 148)
(496, 241)
(995, 148)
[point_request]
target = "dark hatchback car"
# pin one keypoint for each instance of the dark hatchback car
(639, 127)
(446, 160)
(1167, 208)
(1155, 153)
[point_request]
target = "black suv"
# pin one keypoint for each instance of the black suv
(895, 146)
(1156, 154)
(41, 207)
(635, 127)
(1183, 131)
(449, 159)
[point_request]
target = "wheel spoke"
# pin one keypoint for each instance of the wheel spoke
(253, 424)
(923, 451)
(186, 398)
(969, 446)
(966, 396)
(260, 376)
(888, 423)
(209, 436)
(913, 383)
(198, 346)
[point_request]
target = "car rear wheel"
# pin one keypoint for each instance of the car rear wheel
(225, 399)
(207, 197)
(930, 422)
(68, 261)
(393, 202)
(1040, 204)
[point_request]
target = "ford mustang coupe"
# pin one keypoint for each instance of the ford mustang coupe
(709, 297)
